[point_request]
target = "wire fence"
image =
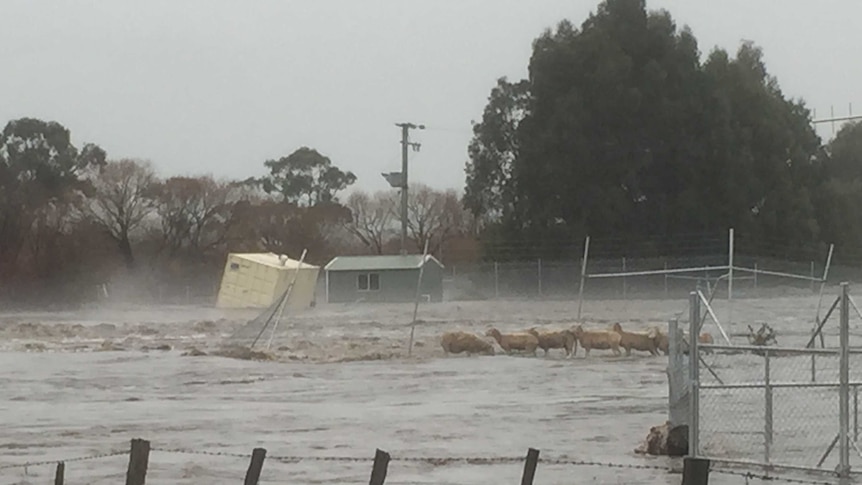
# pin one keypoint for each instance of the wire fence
(541, 279)
(152, 472)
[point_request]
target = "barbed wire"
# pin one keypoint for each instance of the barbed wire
(66, 460)
(435, 461)
(181, 451)
(770, 478)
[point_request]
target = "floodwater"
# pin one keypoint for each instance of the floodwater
(340, 384)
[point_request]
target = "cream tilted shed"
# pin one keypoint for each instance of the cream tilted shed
(257, 280)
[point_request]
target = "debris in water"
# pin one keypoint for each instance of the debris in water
(110, 346)
(194, 352)
(369, 356)
(244, 353)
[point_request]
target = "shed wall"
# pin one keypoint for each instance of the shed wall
(247, 284)
(395, 285)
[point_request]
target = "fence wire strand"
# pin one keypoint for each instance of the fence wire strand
(66, 460)
(770, 478)
(439, 461)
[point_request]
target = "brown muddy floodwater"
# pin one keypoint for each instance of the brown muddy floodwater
(83, 383)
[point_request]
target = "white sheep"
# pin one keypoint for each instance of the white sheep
(597, 339)
(457, 342)
(524, 342)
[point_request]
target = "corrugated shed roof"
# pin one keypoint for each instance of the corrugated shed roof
(273, 260)
(359, 263)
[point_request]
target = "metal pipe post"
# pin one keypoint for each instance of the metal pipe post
(844, 384)
(812, 276)
(768, 434)
(822, 287)
(678, 387)
(496, 281)
(755, 276)
(730, 279)
(416, 300)
(583, 276)
(624, 278)
(665, 279)
(539, 272)
(694, 374)
(856, 413)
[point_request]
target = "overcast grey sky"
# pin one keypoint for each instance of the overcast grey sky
(219, 86)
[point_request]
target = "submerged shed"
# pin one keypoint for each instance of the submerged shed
(383, 278)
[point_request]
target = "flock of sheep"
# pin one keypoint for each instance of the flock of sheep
(613, 339)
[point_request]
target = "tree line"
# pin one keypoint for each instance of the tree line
(621, 131)
(72, 218)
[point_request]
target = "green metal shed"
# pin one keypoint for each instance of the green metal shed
(383, 279)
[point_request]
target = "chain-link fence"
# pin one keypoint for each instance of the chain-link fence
(779, 406)
(762, 405)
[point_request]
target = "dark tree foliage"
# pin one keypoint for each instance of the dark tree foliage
(306, 178)
(40, 170)
(621, 131)
(840, 196)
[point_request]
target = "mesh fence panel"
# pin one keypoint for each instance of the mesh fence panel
(804, 424)
(254, 329)
(791, 422)
(731, 420)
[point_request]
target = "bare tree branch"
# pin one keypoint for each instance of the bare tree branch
(372, 218)
(121, 201)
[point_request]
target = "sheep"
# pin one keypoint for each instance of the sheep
(597, 339)
(562, 339)
(643, 341)
(457, 342)
(523, 341)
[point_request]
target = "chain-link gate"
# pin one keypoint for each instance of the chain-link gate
(775, 407)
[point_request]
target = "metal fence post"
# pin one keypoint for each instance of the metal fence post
(624, 278)
(767, 444)
(583, 276)
(694, 375)
(844, 385)
(755, 275)
(496, 281)
(539, 272)
(812, 276)
(678, 385)
(729, 279)
(856, 413)
(665, 279)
